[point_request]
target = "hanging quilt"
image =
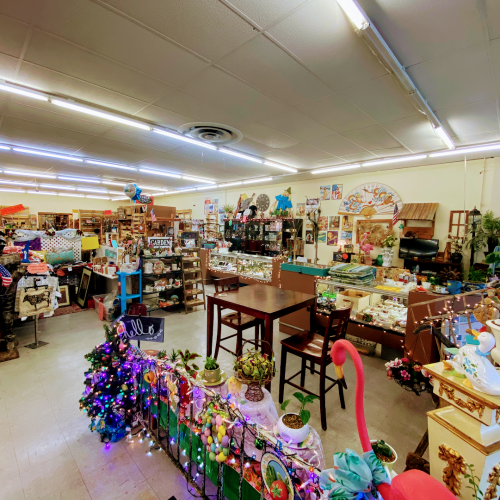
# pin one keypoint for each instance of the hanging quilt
(370, 199)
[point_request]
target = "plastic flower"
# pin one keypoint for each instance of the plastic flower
(405, 360)
(424, 372)
(405, 375)
(417, 368)
(389, 374)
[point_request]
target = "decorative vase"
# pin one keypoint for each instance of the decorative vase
(387, 255)
(212, 376)
(456, 257)
(292, 435)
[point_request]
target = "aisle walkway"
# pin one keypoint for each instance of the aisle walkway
(47, 451)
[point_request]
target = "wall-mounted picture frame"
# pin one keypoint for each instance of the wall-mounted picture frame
(83, 289)
(64, 299)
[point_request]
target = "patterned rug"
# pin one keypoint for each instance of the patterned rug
(73, 308)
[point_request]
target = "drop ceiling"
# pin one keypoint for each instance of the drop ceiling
(292, 75)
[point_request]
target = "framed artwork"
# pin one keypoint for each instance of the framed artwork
(301, 209)
(347, 222)
(208, 201)
(309, 238)
(370, 199)
(221, 218)
(324, 193)
(333, 222)
(336, 192)
(312, 204)
(83, 289)
(322, 237)
(346, 236)
(64, 299)
(332, 238)
(378, 229)
(221, 210)
(323, 223)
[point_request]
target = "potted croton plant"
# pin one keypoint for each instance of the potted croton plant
(294, 427)
(212, 370)
(384, 453)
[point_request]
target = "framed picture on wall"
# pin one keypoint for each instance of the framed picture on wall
(83, 289)
(64, 299)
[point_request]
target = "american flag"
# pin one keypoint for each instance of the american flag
(395, 214)
(153, 216)
(5, 275)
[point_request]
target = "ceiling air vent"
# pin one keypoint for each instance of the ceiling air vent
(215, 133)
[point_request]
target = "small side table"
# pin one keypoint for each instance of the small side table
(123, 289)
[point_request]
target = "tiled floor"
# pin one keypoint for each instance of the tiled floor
(47, 451)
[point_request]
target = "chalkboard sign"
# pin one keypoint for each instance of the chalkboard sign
(142, 328)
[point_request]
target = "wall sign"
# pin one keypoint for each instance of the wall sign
(142, 328)
(11, 210)
(160, 242)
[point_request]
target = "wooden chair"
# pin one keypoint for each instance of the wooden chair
(315, 348)
(235, 320)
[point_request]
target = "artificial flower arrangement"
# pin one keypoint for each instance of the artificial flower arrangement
(389, 241)
(410, 375)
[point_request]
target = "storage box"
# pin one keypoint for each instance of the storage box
(314, 270)
(359, 300)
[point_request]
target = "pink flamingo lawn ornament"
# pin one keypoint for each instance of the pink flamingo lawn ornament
(365, 247)
(410, 485)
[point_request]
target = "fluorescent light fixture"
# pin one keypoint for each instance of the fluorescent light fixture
(87, 190)
(119, 199)
(445, 137)
(100, 114)
(354, 13)
(73, 195)
(43, 192)
(197, 179)
(240, 155)
(5, 147)
(185, 139)
(55, 186)
(18, 183)
(478, 149)
(171, 192)
(334, 169)
(159, 172)
(13, 190)
(29, 174)
(14, 89)
(111, 165)
(394, 160)
(78, 179)
(205, 187)
(229, 184)
(150, 187)
(264, 179)
(117, 192)
(45, 153)
(97, 197)
(186, 190)
(282, 167)
(113, 183)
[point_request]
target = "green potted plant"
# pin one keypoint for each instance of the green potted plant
(486, 235)
(388, 244)
(212, 370)
(457, 248)
(294, 427)
(228, 210)
(254, 369)
(384, 453)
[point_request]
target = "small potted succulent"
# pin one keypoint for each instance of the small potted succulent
(212, 371)
(384, 453)
(294, 427)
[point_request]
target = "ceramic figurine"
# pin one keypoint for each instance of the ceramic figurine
(472, 362)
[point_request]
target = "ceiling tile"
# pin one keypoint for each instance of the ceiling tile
(252, 147)
(383, 99)
(207, 27)
(493, 15)
(233, 96)
(471, 118)
(54, 53)
(163, 117)
(321, 36)
(411, 130)
(287, 159)
(422, 30)
(427, 145)
(467, 140)
(151, 141)
(307, 152)
(54, 82)
(336, 145)
(116, 151)
(455, 79)
(13, 36)
(297, 125)
(359, 157)
(22, 10)
(8, 65)
(327, 163)
(495, 55)
(264, 12)
(96, 28)
(201, 155)
(383, 153)
(268, 136)
(372, 138)
(337, 113)
(266, 66)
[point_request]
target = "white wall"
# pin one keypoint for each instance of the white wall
(448, 184)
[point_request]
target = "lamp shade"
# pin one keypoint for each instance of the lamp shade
(90, 243)
(474, 217)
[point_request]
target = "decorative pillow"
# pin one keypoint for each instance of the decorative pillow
(59, 257)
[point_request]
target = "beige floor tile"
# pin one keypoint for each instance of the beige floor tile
(168, 482)
(76, 491)
(41, 450)
(142, 491)
(11, 488)
(148, 464)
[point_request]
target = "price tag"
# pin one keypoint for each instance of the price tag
(70, 269)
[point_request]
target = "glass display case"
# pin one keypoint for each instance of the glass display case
(273, 236)
(223, 261)
(255, 266)
(376, 305)
(254, 236)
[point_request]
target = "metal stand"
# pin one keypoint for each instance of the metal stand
(37, 343)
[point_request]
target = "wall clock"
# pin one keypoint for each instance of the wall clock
(262, 202)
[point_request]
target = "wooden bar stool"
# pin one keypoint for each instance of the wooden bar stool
(235, 320)
(315, 348)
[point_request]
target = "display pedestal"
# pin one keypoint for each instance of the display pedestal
(465, 433)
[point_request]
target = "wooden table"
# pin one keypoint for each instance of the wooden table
(261, 301)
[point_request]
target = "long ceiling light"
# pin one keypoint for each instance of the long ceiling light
(29, 174)
(13, 190)
(334, 169)
(51, 193)
(5, 147)
(147, 187)
(229, 184)
(205, 187)
(120, 199)
(170, 192)
(197, 179)
(282, 167)
(252, 181)
(78, 179)
(117, 192)
(393, 160)
(18, 183)
(97, 197)
(113, 183)
(73, 195)
(354, 13)
(186, 190)
(55, 186)
(14, 89)
(445, 137)
(91, 111)
(111, 165)
(88, 190)
(159, 172)
(44, 153)
(240, 155)
(185, 139)
(478, 149)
